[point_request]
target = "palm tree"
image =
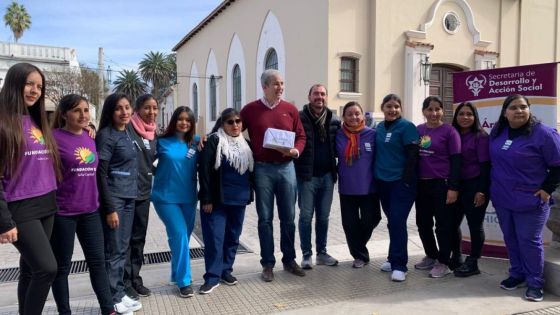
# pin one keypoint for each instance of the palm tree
(17, 19)
(129, 83)
(158, 69)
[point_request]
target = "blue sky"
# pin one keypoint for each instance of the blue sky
(126, 29)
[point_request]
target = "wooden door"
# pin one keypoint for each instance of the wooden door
(441, 85)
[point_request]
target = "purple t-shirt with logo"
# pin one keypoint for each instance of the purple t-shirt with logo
(77, 193)
(356, 179)
(35, 175)
(437, 145)
(474, 152)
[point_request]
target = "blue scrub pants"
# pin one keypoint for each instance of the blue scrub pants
(221, 230)
(524, 243)
(396, 200)
(179, 223)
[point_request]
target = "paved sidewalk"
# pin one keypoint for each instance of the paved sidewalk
(333, 290)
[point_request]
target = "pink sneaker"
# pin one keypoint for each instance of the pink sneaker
(439, 271)
(426, 264)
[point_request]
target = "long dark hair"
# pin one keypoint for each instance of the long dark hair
(502, 122)
(109, 108)
(12, 108)
(475, 128)
(225, 116)
(171, 129)
(66, 104)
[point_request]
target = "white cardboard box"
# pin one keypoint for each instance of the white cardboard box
(278, 138)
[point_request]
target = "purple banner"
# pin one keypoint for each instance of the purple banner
(530, 80)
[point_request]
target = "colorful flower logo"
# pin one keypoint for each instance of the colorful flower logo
(425, 142)
(84, 155)
(36, 135)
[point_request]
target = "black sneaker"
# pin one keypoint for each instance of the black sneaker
(207, 288)
(511, 284)
(469, 268)
(131, 293)
(186, 292)
(143, 291)
(534, 294)
(455, 262)
(229, 280)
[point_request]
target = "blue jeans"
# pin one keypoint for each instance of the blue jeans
(116, 246)
(278, 180)
(396, 201)
(178, 219)
(221, 230)
(88, 228)
(316, 196)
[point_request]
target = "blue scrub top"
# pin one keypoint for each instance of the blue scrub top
(175, 176)
(390, 155)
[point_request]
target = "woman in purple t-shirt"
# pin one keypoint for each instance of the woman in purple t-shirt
(28, 172)
(77, 200)
(359, 201)
(473, 187)
(439, 165)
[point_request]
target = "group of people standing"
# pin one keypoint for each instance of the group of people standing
(58, 182)
(65, 179)
(450, 171)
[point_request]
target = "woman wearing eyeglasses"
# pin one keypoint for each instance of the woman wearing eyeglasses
(224, 169)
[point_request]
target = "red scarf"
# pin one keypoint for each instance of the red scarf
(145, 130)
(352, 150)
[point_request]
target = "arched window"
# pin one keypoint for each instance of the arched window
(195, 100)
(271, 60)
(236, 81)
(213, 105)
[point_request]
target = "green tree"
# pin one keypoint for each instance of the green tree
(130, 83)
(159, 70)
(17, 19)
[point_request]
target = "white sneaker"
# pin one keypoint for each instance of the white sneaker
(131, 304)
(386, 266)
(120, 308)
(398, 276)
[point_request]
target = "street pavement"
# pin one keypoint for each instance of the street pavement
(324, 290)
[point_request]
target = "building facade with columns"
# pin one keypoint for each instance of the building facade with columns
(360, 50)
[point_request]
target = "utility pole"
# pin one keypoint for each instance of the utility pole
(100, 67)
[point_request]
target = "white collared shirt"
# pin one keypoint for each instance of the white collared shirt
(267, 104)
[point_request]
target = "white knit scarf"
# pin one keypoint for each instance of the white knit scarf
(236, 150)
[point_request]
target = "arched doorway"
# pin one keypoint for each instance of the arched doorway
(441, 85)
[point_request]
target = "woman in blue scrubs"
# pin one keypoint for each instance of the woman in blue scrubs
(174, 192)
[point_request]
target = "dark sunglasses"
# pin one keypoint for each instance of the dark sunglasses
(232, 121)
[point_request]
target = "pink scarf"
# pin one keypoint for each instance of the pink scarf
(147, 131)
